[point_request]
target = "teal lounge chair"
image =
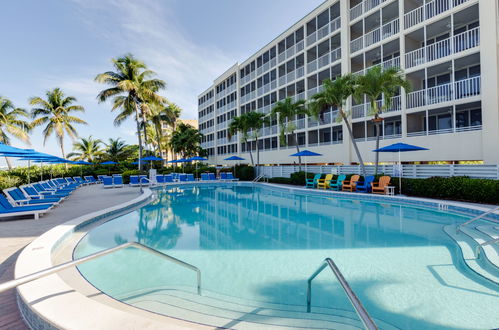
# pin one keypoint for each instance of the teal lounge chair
(312, 183)
(336, 184)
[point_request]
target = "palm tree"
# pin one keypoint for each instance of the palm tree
(286, 111)
(186, 140)
(160, 115)
(86, 149)
(335, 94)
(132, 88)
(116, 149)
(55, 114)
(12, 124)
(249, 122)
(378, 84)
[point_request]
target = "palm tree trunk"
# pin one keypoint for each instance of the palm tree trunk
(257, 152)
(63, 153)
(350, 132)
(9, 163)
(251, 154)
(138, 134)
(299, 157)
(158, 133)
(376, 161)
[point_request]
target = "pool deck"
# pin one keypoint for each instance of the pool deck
(16, 234)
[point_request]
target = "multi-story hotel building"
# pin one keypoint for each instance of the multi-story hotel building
(448, 50)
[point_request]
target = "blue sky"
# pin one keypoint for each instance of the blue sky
(65, 43)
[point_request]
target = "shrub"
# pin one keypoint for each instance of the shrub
(245, 172)
(280, 180)
(9, 181)
(298, 178)
(127, 174)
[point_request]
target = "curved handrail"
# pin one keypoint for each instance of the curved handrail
(478, 217)
(31, 277)
(479, 247)
(354, 300)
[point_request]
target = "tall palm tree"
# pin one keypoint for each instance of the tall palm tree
(186, 140)
(238, 124)
(56, 114)
(161, 115)
(378, 84)
(132, 88)
(86, 149)
(249, 125)
(335, 94)
(116, 149)
(286, 111)
(12, 124)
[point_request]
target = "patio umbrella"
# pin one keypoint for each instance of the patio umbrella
(151, 159)
(35, 156)
(109, 163)
(305, 153)
(81, 162)
(196, 159)
(400, 147)
(234, 158)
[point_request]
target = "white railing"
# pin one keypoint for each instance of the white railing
(299, 97)
(356, 11)
(419, 171)
(323, 60)
(429, 10)
(460, 42)
(372, 37)
(300, 72)
(356, 44)
(443, 93)
(312, 66)
(445, 131)
(312, 38)
(311, 92)
(392, 63)
(362, 110)
(335, 54)
(389, 29)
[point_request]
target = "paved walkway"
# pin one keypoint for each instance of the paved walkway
(16, 234)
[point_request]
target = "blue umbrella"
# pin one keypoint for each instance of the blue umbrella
(234, 158)
(173, 161)
(400, 147)
(32, 155)
(305, 153)
(196, 158)
(6, 150)
(135, 163)
(109, 163)
(82, 162)
(151, 158)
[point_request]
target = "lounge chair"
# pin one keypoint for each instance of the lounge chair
(366, 185)
(118, 181)
(136, 180)
(324, 183)
(17, 197)
(223, 176)
(190, 178)
(90, 179)
(231, 177)
(169, 178)
(312, 183)
(7, 210)
(336, 184)
(37, 189)
(80, 181)
(212, 177)
(182, 178)
(72, 181)
(349, 185)
(160, 179)
(380, 186)
(100, 177)
(204, 177)
(107, 181)
(46, 188)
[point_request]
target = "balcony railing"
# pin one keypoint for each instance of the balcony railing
(392, 63)
(370, 38)
(324, 31)
(364, 7)
(362, 110)
(445, 131)
(356, 44)
(429, 10)
(291, 51)
(443, 93)
(458, 43)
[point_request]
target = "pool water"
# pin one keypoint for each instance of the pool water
(260, 244)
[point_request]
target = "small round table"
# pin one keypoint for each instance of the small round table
(390, 190)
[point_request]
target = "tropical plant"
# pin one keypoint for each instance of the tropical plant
(379, 86)
(11, 123)
(286, 111)
(116, 150)
(87, 149)
(249, 125)
(186, 141)
(160, 115)
(335, 94)
(56, 114)
(132, 89)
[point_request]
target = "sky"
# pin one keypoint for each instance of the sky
(188, 43)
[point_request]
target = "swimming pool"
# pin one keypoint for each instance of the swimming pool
(256, 246)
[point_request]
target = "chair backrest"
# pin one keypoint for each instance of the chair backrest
(204, 177)
(354, 178)
(30, 191)
(168, 178)
(341, 178)
(384, 181)
(190, 177)
(90, 178)
(38, 187)
(4, 203)
(100, 177)
(11, 194)
(230, 176)
(317, 177)
(160, 178)
(223, 176)
(369, 179)
(329, 177)
(182, 177)
(107, 180)
(212, 176)
(134, 179)
(19, 194)
(118, 179)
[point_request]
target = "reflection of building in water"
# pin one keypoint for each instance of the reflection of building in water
(282, 220)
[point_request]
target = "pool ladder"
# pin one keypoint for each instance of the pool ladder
(43, 273)
(478, 217)
(354, 300)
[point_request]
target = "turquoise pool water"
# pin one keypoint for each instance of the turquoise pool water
(260, 244)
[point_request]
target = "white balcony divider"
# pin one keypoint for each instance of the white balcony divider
(300, 123)
(335, 24)
(357, 44)
(443, 93)
(282, 80)
(300, 46)
(359, 111)
(429, 10)
(290, 52)
(259, 70)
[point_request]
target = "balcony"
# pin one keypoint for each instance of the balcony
(429, 10)
(324, 31)
(364, 7)
(327, 118)
(267, 88)
(458, 43)
(370, 38)
(324, 60)
(393, 63)
(457, 90)
(362, 110)
(445, 131)
(269, 130)
(291, 51)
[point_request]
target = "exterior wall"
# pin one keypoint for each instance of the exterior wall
(399, 40)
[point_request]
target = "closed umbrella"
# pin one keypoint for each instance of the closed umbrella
(237, 158)
(306, 153)
(400, 147)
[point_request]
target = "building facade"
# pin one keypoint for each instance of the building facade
(448, 50)
(167, 130)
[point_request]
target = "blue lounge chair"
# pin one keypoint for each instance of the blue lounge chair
(136, 180)
(100, 177)
(107, 181)
(205, 177)
(44, 187)
(231, 177)
(312, 183)
(80, 181)
(72, 181)
(90, 179)
(118, 181)
(335, 184)
(190, 178)
(182, 177)
(7, 210)
(365, 186)
(160, 179)
(168, 178)
(17, 197)
(36, 190)
(223, 176)
(212, 177)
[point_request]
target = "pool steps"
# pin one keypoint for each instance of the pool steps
(468, 239)
(235, 313)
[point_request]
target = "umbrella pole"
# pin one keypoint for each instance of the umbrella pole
(29, 170)
(400, 175)
(41, 171)
(306, 162)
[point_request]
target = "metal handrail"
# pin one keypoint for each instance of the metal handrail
(354, 300)
(479, 247)
(258, 178)
(458, 228)
(29, 278)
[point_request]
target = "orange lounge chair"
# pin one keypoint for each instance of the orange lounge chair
(379, 187)
(349, 185)
(324, 183)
